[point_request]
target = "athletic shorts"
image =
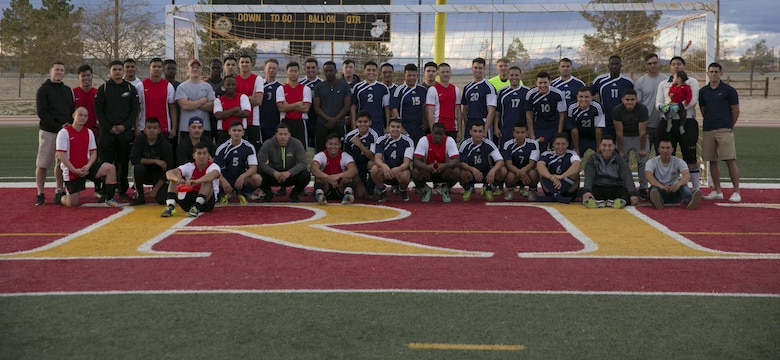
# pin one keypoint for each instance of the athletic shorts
(189, 201)
(79, 184)
(718, 145)
(47, 147)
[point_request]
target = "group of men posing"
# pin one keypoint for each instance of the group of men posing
(367, 133)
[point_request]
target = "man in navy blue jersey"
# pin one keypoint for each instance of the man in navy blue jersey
(545, 110)
(480, 161)
(520, 157)
(586, 121)
(393, 155)
(237, 161)
(609, 87)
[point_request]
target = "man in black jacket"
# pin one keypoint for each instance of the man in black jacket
(608, 179)
(117, 107)
(151, 157)
(55, 106)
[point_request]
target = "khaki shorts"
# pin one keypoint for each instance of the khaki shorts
(47, 146)
(718, 145)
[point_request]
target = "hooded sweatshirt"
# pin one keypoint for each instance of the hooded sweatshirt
(55, 105)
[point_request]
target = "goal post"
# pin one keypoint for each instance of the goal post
(528, 34)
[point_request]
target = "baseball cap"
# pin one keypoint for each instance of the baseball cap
(196, 120)
(194, 61)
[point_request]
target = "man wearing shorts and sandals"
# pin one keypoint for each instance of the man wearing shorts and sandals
(719, 104)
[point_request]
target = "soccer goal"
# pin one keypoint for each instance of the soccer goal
(531, 36)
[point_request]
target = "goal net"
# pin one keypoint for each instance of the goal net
(534, 37)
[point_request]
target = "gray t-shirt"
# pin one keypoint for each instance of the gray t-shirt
(332, 98)
(646, 88)
(666, 174)
(194, 91)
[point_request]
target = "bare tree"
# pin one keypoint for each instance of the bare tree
(140, 36)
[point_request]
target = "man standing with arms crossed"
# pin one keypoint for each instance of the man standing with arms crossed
(332, 101)
(196, 99)
(55, 106)
(443, 102)
(159, 101)
(719, 104)
(646, 88)
(478, 101)
(117, 107)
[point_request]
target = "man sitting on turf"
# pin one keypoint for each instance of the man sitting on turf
(151, 156)
(77, 153)
(668, 177)
(436, 159)
(520, 157)
(238, 163)
(608, 179)
(394, 152)
(480, 161)
(335, 173)
(200, 179)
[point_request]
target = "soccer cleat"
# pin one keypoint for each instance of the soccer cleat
(194, 212)
(113, 203)
(282, 191)
(445, 193)
(224, 199)
(383, 196)
(404, 195)
(590, 203)
(467, 194)
(655, 199)
(713, 195)
(619, 203)
(487, 194)
(609, 203)
(39, 200)
(169, 211)
(138, 201)
(735, 197)
(295, 197)
(58, 197)
(242, 199)
(426, 194)
(694, 200)
(524, 192)
(601, 204)
(498, 191)
(509, 195)
(348, 198)
(321, 198)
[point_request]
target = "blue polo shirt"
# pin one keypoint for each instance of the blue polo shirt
(717, 106)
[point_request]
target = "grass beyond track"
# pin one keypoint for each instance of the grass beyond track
(382, 325)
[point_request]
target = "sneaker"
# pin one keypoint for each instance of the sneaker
(268, 197)
(601, 204)
(509, 195)
(282, 191)
(524, 192)
(426, 194)
(655, 199)
(445, 194)
(619, 203)
(714, 195)
(383, 196)
(348, 198)
(39, 200)
(194, 212)
(532, 196)
(295, 197)
(498, 191)
(694, 200)
(404, 195)
(488, 194)
(467, 194)
(224, 199)
(124, 198)
(321, 199)
(242, 199)
(735, 197)
(590, 203)
(113, 203)
(169, 211)
(643, 194)
(609, 203)
(137, 201)
(396, 190)
(58, 197)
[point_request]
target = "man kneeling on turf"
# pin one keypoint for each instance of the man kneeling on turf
(77, 153)
(608, 179)
(335, 173)
(199, 178)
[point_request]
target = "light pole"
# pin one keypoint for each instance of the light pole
(560, 50)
